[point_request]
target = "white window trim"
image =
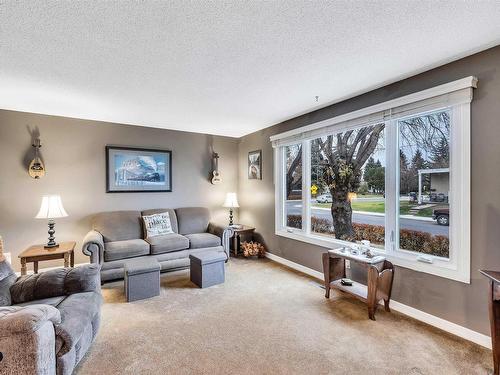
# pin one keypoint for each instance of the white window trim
(457, 96)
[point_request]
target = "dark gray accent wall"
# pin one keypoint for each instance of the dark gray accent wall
(74, 155)
(457, 302)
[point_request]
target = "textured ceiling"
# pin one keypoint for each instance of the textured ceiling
(222, 67)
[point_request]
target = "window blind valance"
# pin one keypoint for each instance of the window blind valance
(442, 96)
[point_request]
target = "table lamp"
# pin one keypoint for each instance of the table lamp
(51, 208)
(231, 202)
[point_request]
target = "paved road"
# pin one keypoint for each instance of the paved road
(413, 224)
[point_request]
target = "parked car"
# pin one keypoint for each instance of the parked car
(442, 197)
(324, 198)
(438, 197)
(442, 216)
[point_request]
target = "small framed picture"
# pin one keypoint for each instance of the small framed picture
(255, 165)
(132, 170)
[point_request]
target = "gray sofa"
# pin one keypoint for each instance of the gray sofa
(48, 320)
(118, 237)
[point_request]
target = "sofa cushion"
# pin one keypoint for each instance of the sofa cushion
(199, 240)
(171, 214)
(192, 219)
(118, 225)
(167, 243)
(125, 249)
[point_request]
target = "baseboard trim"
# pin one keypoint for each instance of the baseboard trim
(420, 315)
(295, 266)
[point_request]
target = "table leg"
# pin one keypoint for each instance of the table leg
(372, 292)
(72, 259)
(66, 260)
(326, 273)
(235, 244)
(35, 266)
(24, 270)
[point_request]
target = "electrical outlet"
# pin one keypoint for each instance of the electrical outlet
(8, 257)
(347, 264)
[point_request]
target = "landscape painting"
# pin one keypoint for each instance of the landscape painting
(255, 165)
(131, 169)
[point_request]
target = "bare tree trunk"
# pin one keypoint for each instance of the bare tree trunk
(342, 215)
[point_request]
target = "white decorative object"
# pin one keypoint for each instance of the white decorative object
(51, 208)
(157, 224)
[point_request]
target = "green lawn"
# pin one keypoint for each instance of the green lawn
(379, 207)
(368, 206)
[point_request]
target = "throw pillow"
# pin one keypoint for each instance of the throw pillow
(157, 224)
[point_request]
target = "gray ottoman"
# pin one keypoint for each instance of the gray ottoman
(142, 279)
(207, 268)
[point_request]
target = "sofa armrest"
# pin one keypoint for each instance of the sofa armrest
(226, 235)
(58, 282)
(93, 246)
(28, 340)
(22, 320)
(215, 229)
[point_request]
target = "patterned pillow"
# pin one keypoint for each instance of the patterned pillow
(157, 224)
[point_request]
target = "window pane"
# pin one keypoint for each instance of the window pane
(348, 185)
(424, 183)
(293, 186)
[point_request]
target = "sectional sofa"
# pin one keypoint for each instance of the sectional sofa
(118, 237)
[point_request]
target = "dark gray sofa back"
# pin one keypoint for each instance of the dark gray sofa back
(171, 214)
(192, 219)
(118, 225)
(55, 283)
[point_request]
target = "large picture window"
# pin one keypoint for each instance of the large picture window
(396, 175)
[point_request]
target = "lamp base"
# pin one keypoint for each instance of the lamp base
(52, 240)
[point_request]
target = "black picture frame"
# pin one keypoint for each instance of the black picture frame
(255, 165)
(149, 185)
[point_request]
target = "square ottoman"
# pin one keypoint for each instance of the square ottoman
(142, 279)
(207, 268)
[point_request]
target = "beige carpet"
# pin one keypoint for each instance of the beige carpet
(266, 319)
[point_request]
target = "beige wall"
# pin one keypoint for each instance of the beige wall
(454, 301)
(74, 156)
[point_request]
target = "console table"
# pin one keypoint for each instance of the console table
(494, 307)
(380, 275)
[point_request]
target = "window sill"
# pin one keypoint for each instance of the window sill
(445, 270)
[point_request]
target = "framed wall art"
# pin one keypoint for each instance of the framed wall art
(133, 170)
(255, 165)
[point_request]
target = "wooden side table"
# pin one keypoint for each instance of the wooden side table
(240, 234)
(37, 253)
(494, 307)
(380, 276)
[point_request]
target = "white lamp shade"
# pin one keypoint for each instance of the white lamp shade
(231, 200)
(51, 208)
